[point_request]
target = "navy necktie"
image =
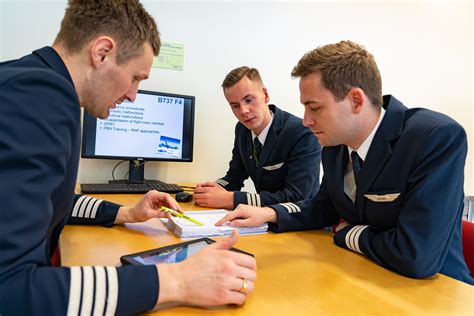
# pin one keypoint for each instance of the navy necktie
(356, 165)
(257, 149)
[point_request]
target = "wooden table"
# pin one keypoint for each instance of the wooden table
(299, 273)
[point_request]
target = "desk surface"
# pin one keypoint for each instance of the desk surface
(299, 273)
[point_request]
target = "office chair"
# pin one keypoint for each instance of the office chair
(468, 244)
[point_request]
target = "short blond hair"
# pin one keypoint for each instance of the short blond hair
(126, 21)
(343, 66)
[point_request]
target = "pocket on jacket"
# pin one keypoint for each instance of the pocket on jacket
(382, 209)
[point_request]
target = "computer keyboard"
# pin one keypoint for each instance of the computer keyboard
(108, 188)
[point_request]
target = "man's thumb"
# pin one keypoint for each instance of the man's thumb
(227, 242)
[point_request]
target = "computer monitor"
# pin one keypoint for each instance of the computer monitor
(157, 126)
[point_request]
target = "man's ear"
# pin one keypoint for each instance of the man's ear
(357, 98)
(267, 96)
(102, 50)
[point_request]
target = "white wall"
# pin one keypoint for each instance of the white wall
(424, 51)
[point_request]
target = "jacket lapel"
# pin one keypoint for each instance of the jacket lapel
(381, 148)
(335, 161)
(340, 167)
(270, 141)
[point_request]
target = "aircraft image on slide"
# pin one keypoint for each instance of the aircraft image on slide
(169, 146)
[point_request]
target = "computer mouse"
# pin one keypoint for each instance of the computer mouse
(184, 196)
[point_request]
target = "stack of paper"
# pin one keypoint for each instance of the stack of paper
(186, 229)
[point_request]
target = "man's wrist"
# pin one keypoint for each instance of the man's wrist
(230, 200)
(169, 284)
(123, 215)
(270, 214)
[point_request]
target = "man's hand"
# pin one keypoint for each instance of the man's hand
(213, 276)
(148, 207)
(211, 194)
(246, 215)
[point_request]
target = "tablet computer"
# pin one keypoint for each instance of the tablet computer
(171, 254)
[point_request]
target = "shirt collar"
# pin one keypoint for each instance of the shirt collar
(364, 148)
(263, 135)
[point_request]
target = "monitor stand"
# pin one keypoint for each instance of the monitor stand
(136, 173)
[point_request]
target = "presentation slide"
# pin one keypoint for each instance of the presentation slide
(152, 126)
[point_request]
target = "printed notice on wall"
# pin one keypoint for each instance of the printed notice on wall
(171, 56)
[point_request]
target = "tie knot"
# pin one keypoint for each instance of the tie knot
(257, 143)
(356, 160)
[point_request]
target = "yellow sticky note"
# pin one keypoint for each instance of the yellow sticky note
(171, 56)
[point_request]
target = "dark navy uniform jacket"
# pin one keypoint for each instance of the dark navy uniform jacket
(39, 153)
(409, 199)
(289, 151)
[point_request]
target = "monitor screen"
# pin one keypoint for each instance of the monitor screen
(156, 126)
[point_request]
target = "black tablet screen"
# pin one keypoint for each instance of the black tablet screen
(171, 255)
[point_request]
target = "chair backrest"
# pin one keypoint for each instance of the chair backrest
(468, 244)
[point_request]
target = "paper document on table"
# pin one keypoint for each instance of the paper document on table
(186, 229)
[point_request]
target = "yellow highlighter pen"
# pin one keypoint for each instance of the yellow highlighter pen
(178, 214)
